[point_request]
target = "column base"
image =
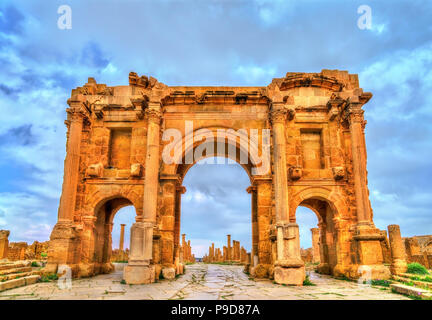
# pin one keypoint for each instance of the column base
(323, 268)
(136, 274)
(398, 266)
(86, 270)
(369, 272)
(289, 276)
(168, 273)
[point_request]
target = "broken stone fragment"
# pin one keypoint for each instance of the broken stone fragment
(95, 170)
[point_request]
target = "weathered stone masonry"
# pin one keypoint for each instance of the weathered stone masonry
(318, 160)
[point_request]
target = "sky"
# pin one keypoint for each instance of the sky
(213, 43)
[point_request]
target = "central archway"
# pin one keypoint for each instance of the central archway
(172, 176)
(215, 205)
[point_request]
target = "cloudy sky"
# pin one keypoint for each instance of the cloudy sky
(213, 43)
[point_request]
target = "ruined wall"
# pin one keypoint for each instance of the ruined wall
(419, 249)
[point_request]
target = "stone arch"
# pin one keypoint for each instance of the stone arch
(101, 206)
(329, 207)
(100, 196)
(179, 166)
(334, 199)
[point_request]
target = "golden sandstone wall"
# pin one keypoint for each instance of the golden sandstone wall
(116, 144)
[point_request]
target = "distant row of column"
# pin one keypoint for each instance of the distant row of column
(186, 251)
(229, 253)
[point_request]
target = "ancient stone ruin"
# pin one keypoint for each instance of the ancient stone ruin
(229, 254)
(117, 144)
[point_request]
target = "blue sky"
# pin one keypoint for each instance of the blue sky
(213, 43)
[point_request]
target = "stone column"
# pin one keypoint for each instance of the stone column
(189, 250)
(4, 243)
(315, 245)
(64, 237)
(368, 237)
(139, 270)
(397, 248)
(356, 124)
(177, 217)
(253, 192)
(264, 217)
(237, 250)
(121, 243)
(71, 163)
(289, 267)
(229, 253)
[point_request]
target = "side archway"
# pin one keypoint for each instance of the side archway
(328, 207)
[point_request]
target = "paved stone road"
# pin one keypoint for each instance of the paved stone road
(202, 281)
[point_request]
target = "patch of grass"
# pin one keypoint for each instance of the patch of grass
(307, 282)
(48, 277)
(425, 279)
(382, 283)
(417, 268)
(414, 297)
(345, 278)
(123, 281)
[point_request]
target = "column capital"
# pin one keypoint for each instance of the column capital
(153, 115)
(354, 113)
(76, 114)
(281, 114)
(89, 221)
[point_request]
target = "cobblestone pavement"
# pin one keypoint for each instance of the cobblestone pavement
(203, 281)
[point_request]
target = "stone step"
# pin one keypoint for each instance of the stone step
(411, 291)
(415, 282)
(9, 265)
(15, 270)
(408, 275)
(19, 275)
(19, 282)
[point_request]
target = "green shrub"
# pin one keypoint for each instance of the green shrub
(35, 264)
(416, 268)
(307, 282)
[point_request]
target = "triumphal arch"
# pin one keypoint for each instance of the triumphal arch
(300, 139)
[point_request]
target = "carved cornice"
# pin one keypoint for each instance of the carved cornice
(77, 111)
(310, 80)
(181, 189)
(251, 189)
